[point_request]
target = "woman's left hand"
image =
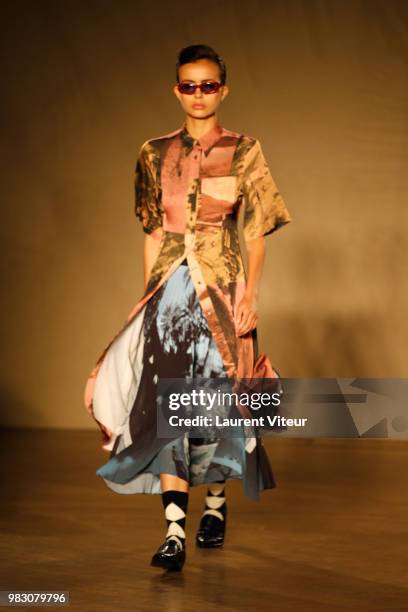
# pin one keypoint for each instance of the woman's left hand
(247, 315)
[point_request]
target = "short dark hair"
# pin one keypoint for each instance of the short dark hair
(193, 53)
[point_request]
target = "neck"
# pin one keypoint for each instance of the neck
(198, 127)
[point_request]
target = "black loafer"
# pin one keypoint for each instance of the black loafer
(170, 555)
(211, 532)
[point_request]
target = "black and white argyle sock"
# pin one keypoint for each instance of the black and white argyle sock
(175, 505)
(215, 501)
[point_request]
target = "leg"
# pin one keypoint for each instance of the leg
(211, 531)
(173, 483)
(173, 328)
(172, 553)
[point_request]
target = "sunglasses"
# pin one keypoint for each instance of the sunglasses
(207, 87)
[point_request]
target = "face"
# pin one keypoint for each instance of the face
(200, 105)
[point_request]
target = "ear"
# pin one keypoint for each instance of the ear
(225, 92)
(176, 92)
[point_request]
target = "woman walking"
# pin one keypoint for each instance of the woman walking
(198, 315)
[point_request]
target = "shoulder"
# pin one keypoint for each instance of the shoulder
(150, 151)
(242, 140)
(157, 142)
(245, 142)
(247, 148)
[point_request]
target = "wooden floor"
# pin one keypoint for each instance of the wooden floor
(333, 535)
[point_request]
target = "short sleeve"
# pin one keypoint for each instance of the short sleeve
(264, 208)
(147, 205)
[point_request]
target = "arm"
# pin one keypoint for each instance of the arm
(151, 249)
(247, 311)
(264, 213)
(148, 207)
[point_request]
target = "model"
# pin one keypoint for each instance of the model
(198, 315)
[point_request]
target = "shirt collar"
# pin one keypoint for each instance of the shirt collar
(206, 141)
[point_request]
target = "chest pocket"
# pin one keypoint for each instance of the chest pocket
(222, 188)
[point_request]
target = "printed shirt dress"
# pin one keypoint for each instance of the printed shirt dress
(189, 193)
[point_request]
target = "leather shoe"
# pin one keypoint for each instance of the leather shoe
(211, 531)
(170, 555)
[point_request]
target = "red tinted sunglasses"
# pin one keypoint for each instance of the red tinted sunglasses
(207, 87)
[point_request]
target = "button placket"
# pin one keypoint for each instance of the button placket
(195, 165)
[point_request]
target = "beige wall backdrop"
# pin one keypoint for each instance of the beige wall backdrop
(321, 83)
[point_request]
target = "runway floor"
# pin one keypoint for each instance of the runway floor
(331, 537)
